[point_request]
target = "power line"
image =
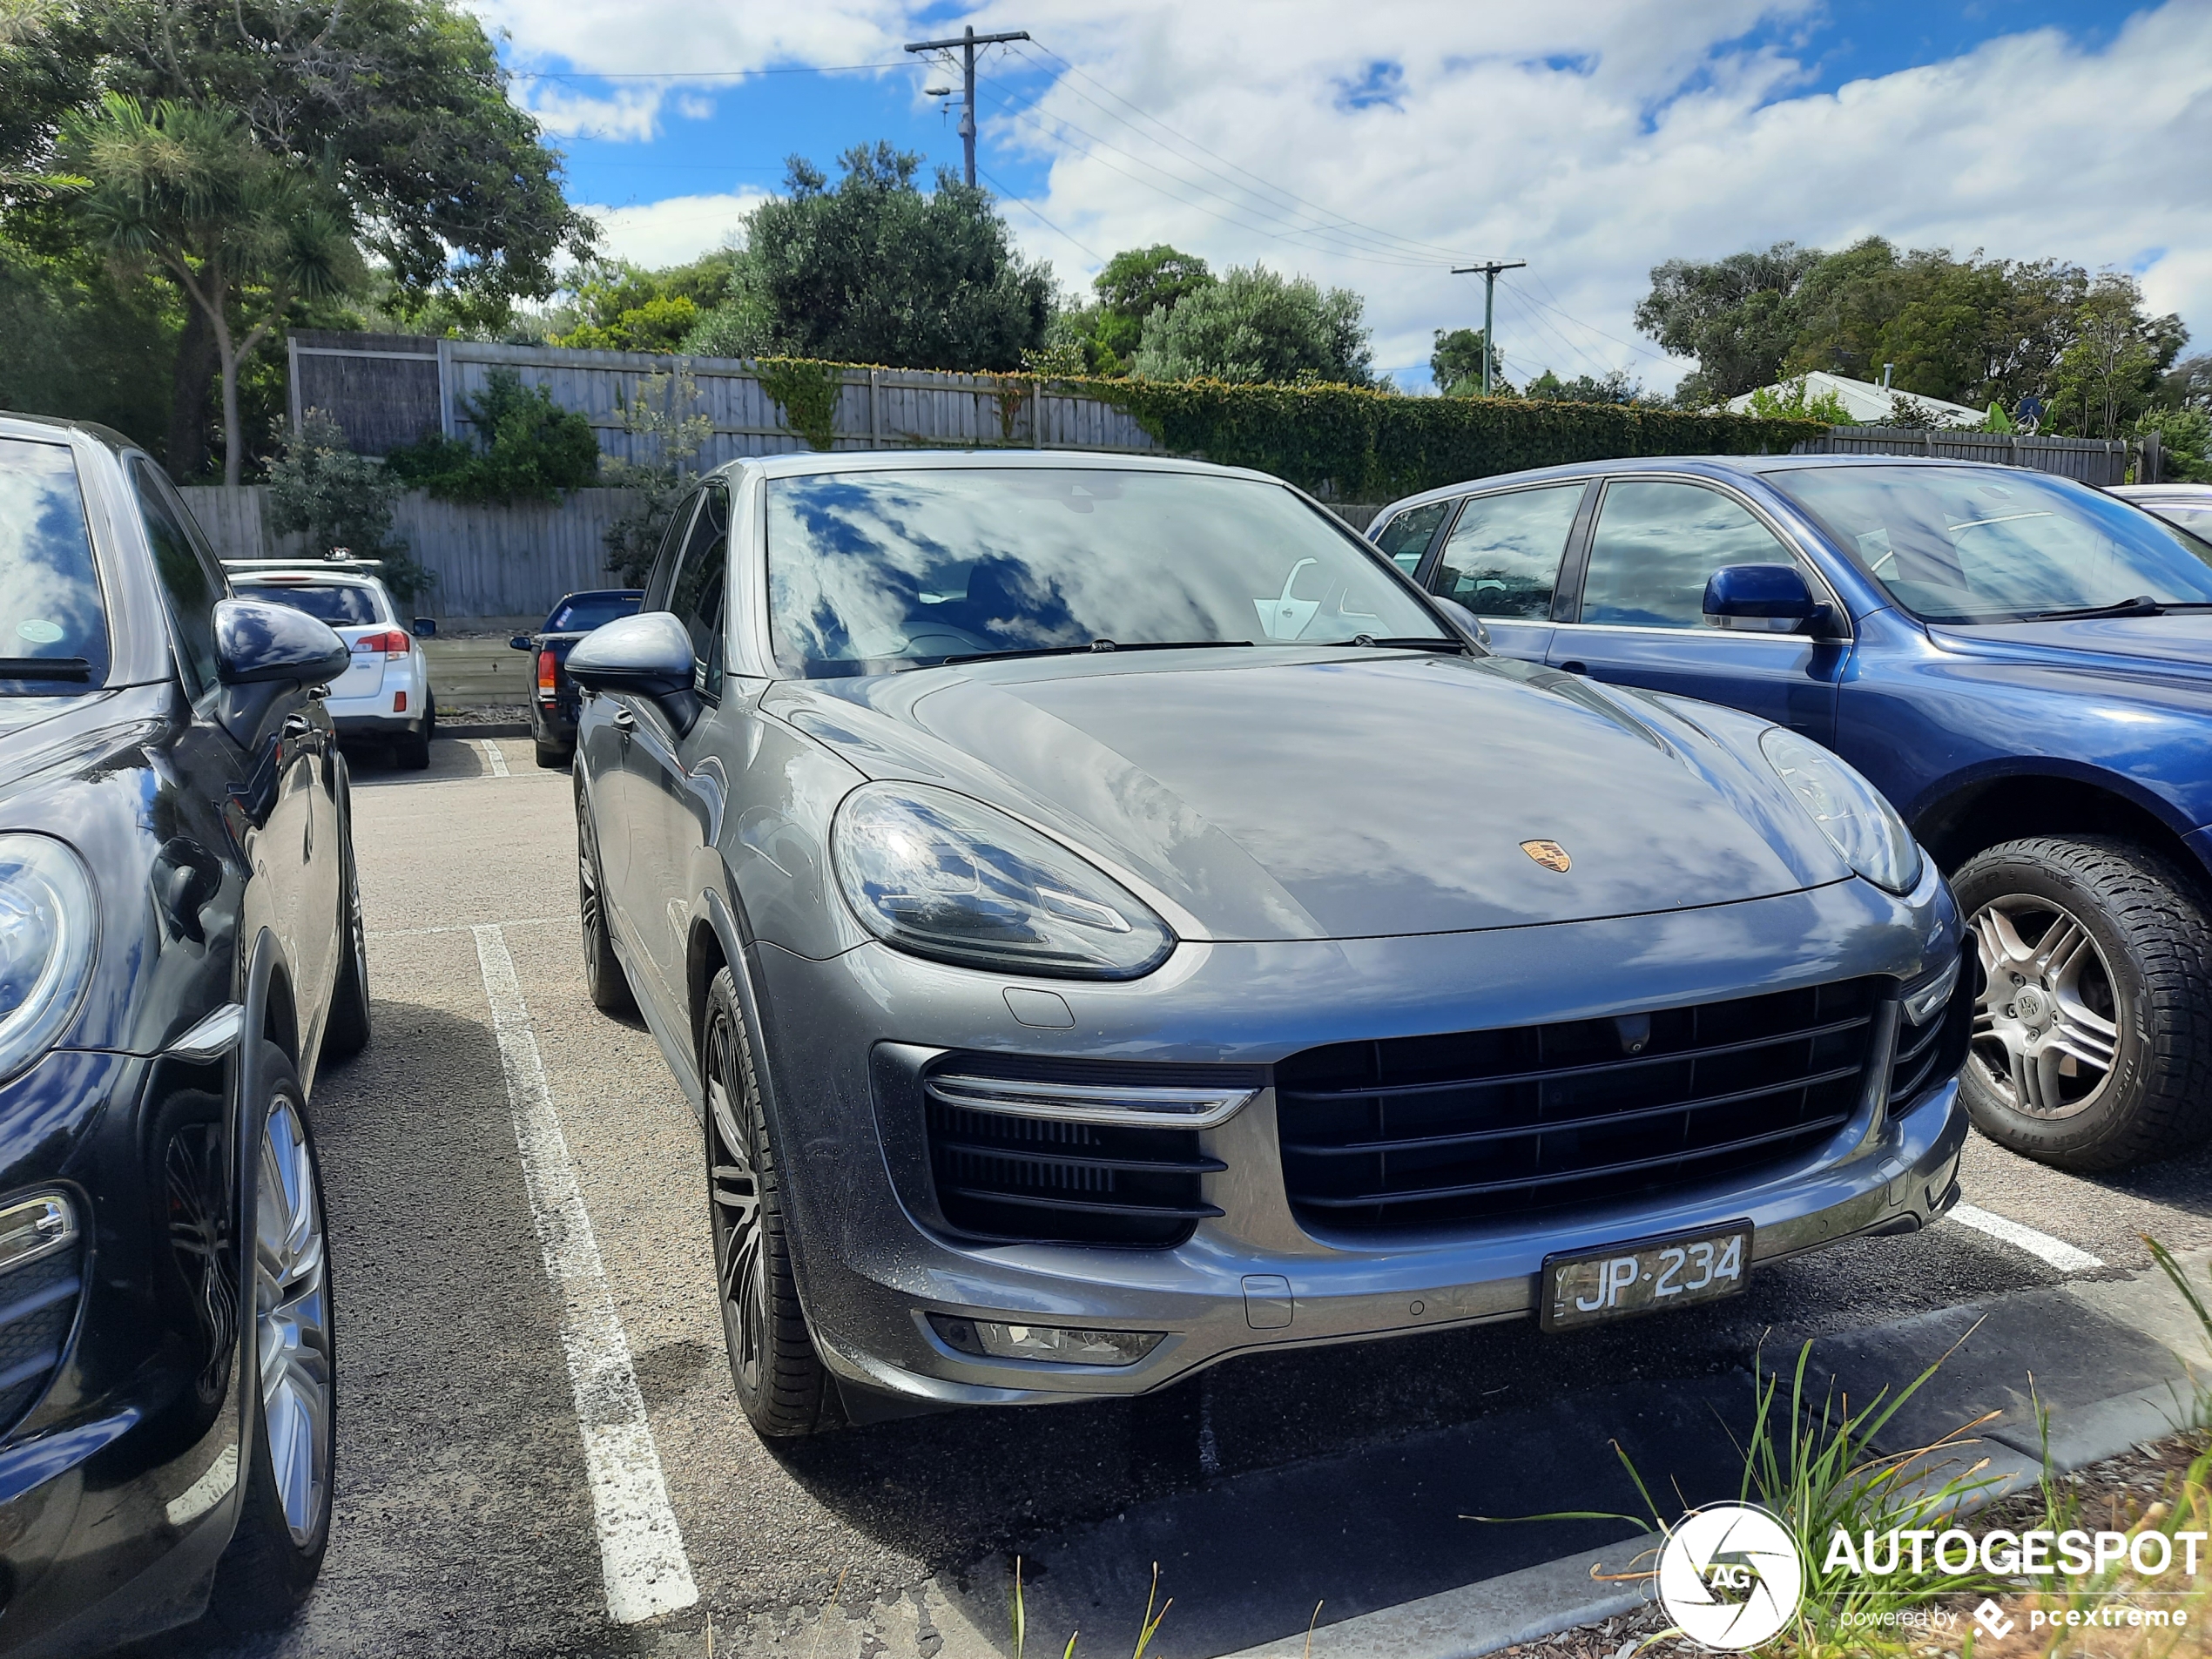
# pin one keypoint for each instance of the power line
(1402, 243)
(1489, 269)
(1023, 202)
(689, 74)
(1039, 121)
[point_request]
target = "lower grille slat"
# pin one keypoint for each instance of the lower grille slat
(1471, 1126)
(1009, 1178)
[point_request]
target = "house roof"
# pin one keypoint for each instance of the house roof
(1867, 403)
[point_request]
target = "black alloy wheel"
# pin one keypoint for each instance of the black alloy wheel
(603, 971)
(291, 1448)
(2092, 1045)
(780, 1380)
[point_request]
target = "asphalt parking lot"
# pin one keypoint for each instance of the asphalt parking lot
(466, 1518)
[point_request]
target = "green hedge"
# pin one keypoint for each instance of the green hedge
(1375, 447)
(1354, 445)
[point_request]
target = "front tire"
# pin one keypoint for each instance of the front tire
(2092, 1044)
(346, 1033)
(284, 1517)
(781, 1386)
(603, 972)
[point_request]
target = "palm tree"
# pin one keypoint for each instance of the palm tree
(241, 231)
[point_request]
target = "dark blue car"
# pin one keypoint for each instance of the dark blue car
(2023, 665)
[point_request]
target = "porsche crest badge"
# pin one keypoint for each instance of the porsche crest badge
(1550, 854)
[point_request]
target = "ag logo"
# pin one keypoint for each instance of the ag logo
(1731, 1576)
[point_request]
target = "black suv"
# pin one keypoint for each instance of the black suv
(180, 940)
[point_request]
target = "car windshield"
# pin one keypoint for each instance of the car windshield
(341, 607)
(1967, 544)
(53, 626)
(581, 614)
(876, 571)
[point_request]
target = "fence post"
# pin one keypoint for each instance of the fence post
(875, 411)
(445, 386)
(292, 378)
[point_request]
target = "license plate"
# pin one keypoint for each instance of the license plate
(1636, 1278)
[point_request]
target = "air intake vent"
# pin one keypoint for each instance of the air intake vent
(1040, 1180)
(1476, 1125)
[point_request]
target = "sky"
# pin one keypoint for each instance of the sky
(1374, 147)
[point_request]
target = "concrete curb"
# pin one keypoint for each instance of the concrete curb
(490, 729)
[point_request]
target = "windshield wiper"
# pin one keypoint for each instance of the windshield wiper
(1400, 642)
(2141, 605)
(1100, 645)
(45, 668)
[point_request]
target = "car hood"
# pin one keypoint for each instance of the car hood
(1330, 795)
(2176, 645)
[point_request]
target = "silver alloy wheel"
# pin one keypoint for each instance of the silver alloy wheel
(292, 1315)
(2049, 1024)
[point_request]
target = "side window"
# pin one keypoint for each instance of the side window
(190, 580)
(1502, 559)
(697, 593)
(1655, 545)
(662, 574)
(1406, 536)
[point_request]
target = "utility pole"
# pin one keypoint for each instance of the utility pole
(1489, 305)
(968, 42)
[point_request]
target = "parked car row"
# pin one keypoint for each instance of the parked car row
(1106, 917)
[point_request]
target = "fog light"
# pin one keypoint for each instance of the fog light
(35, 1228)
(1922, 1002)
(1054, 1344)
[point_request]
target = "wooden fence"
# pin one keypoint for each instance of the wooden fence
(491, 562)
(2091, 461)
(385, 390)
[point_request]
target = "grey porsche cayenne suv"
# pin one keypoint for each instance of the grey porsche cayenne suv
(1106, 919)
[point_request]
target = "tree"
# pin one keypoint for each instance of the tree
(402, 104)
(1734, 315)
(85, 339)
(1256, 325)
(1614, 386)
(1793, 399)
(1456, 364)
(186, 188)
(875, 271)
(2110, 372)
(1137, 282)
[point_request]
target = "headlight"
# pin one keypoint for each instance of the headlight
(1849, 810)
(943, 876)
(47, 921)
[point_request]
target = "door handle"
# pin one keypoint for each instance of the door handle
(297, 726)
(1575, 668)
(625, 722)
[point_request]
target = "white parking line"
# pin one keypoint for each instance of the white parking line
(641, 1547)
(491, 753)
(2057, 1251)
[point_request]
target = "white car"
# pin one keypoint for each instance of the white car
(385, 692)
(2187, 505)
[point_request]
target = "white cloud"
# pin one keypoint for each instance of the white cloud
(674, 231)
(1594, 140)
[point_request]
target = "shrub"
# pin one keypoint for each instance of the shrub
(661, 410)
(317, 484)
(527, 448)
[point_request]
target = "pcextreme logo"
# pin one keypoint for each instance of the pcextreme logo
(1730, 1575)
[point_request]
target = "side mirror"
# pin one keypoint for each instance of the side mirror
(1761, 598)
(1465, 620)
(259, 644)
(648, 656)
(518, 642)
(426, 627)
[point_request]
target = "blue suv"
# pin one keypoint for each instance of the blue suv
(2021, 664)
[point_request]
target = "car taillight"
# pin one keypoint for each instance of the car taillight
(392, 642)
(548, 665)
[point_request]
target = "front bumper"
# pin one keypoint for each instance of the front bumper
(838, 1032)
